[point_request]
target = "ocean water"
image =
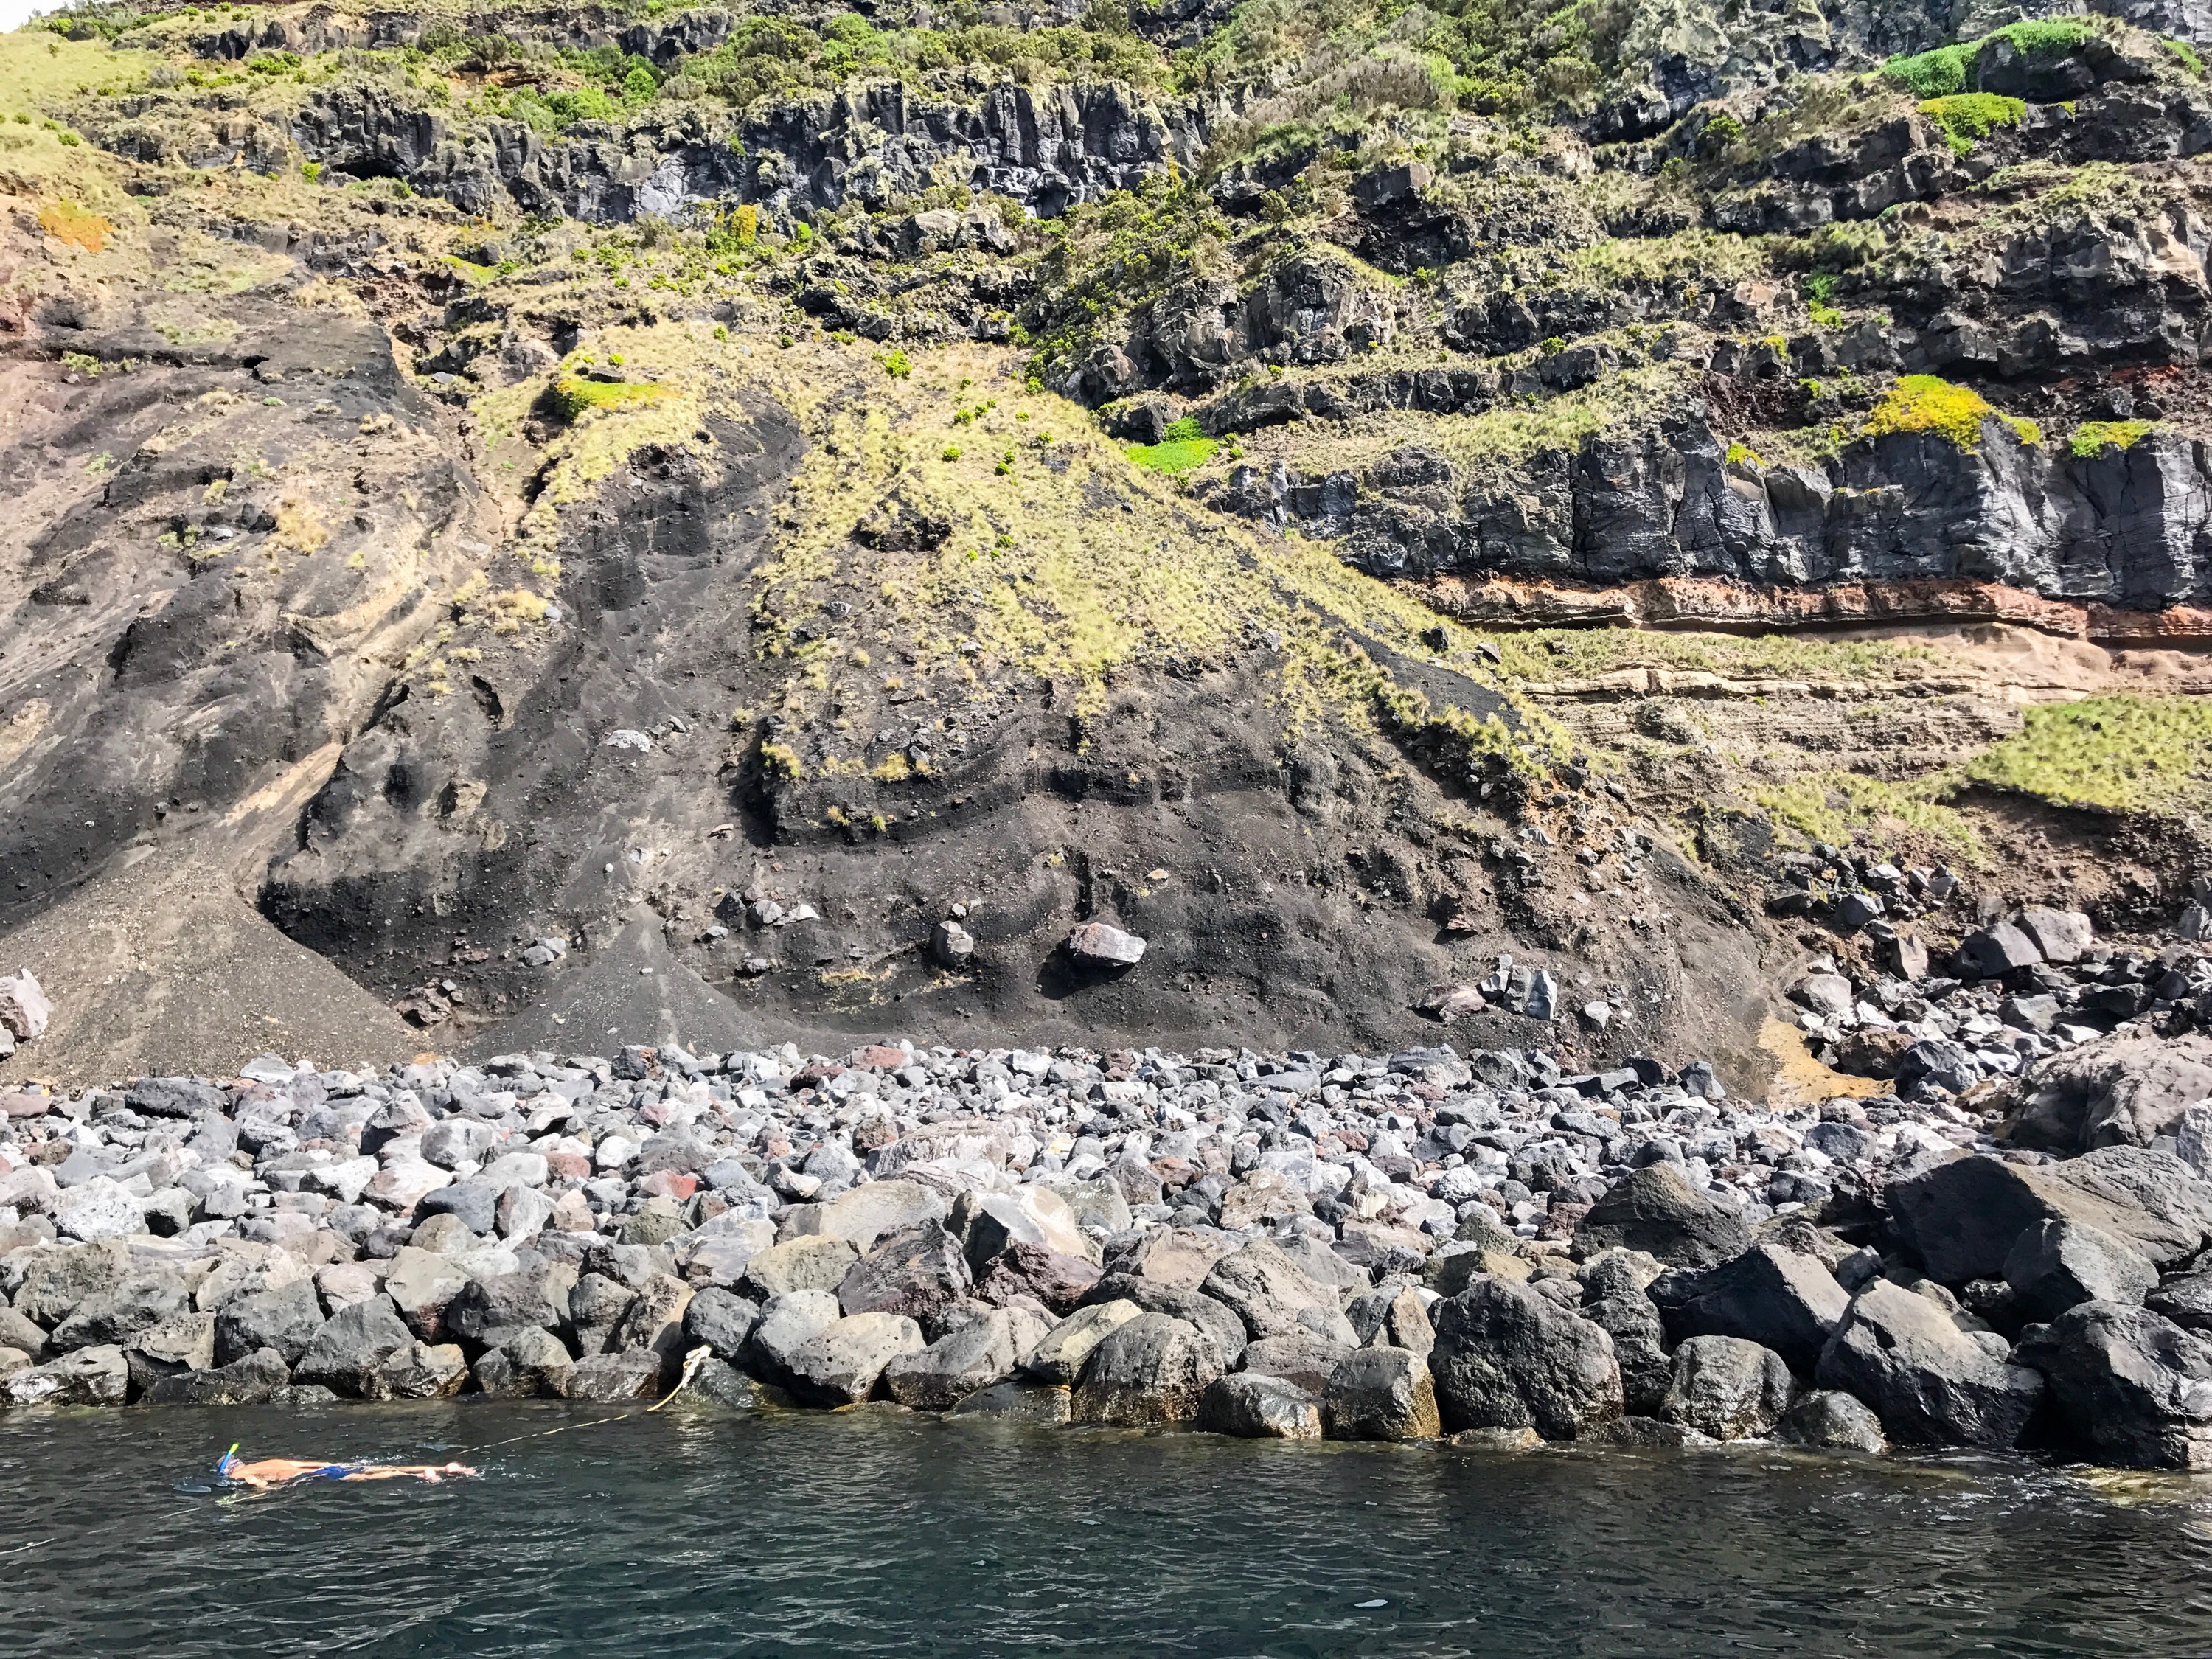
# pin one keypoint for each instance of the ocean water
(874, 1532)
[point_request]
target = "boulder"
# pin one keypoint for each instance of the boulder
(2128, 1386)
(610, 1379)
(352, 1344)
(2187, 1301)
(1727, 1388)
(653, 1321)
(788, 1323)
(98, 1208)
(1776, 1297)
(1253, 1406)
(949, 1370)
(1273, 1297)
(184, 1341)
(1930, 1382)
(1101, 945)
(487, 1312)
(422, 1285)
(1264, 1197)
(24, 1007)
(1639, 1348)
(1178, 1257)
(1832, 1420)
(1151, 1371)
(474, 1204)
(1061, 1355)
(419, 1371)
(2061, 936)
(250, 1380)
(1988, 952)
(1382, 1393)
(720, 1320)
(2055, 1264)
(1961, 1216)
(2121, 1090)
(989, 1222)
(90, 1377)
(1214, 1318)
(842, 1363)
(115, 1318)
(861, 1215)
(1393, 1315)
(1506, 1357)
(1657, 1211)
(1301, 1358)
(528, 1362)
(914, 1273)
(798, 1264)
(287, 1319)
(21, 1334)
(1058, 1281)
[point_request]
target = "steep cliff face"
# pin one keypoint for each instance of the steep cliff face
(545, 500)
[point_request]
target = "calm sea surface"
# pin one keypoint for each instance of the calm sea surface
(871, 1532)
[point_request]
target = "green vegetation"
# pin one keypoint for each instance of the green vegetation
(1947, 70)
(574, 399)
(2092, 438)
(1182, 447)
(1967, 116)
(1830, 806)
(2189, 57)
(2118, 753)
(1924, 402)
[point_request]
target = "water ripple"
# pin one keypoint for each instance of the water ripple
(874, 1533)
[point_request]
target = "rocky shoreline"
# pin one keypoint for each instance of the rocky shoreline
(1393, 1248)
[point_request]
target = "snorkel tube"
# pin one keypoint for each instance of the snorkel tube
(222, 1464)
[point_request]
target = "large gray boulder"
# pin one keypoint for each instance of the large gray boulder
(2187, 1301)
(1639, 1348)
(1832, 1420)
(814, 1263)
(2056, 1264)
(1962, 1216)
(842, 1363)
(529, 1361)
(861, 1215)
(1274, 1298)
(653, 1321)
(1066, 1348)
(58, 1278)
(421, 1370)
(609, 1379)
(1930, 1382)
(116, 1317)
(1255, 1406)
(1216, 1319)
(1301, 1358)
(786, 1324)
(2121, 1090)
(251, 1381)
(1657, 1211)
(347, 1352)
(287, 1319)
(916, 1272)
(1381, 1394)
(1507, 1357)
(948, 1370)
(1151, 1370)
(487, 1312)
(90, 1377)
(2129, 1386)
(720, 1320)
(1727, 1388)
(1777, 1297)
(1391, 1315)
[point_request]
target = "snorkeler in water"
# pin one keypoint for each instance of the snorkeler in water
(267, 1472)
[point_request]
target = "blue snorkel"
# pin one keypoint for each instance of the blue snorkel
(222, 1464)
